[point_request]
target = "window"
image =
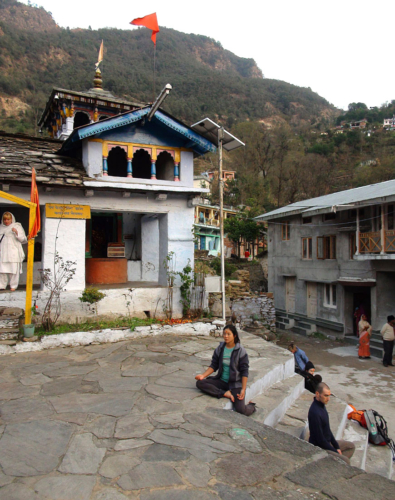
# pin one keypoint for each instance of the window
(285, 231)
(307, 220)
(330, 296)
(390, 217)
(307, 248)
(330, 216)
(326, 247)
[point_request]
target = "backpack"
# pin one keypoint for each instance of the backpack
(376, 426)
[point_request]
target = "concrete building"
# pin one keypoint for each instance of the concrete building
(207, 230)
(329, 256)
(389, 123)
(131, 178)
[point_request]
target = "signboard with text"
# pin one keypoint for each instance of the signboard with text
(57, 211)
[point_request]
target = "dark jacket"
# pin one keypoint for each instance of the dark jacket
(320, 431)
(311, 381)
(238, 364)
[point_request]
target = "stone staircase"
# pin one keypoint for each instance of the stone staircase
(376, 343)
(11, 320)
(284, 405)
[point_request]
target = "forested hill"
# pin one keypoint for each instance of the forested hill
(36, 55)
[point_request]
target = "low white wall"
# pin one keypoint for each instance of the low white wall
(113, 305)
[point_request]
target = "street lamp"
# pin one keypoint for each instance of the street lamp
(223, 140)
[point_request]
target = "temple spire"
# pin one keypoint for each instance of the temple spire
(98, 82)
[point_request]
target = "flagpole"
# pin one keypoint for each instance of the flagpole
(154, 71)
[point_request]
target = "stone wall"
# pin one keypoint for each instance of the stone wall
(259, 307)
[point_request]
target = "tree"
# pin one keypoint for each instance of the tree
(241, 227)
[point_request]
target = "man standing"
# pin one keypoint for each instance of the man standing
(387, 332)
(320, 431)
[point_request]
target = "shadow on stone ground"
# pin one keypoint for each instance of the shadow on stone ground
(124, 420)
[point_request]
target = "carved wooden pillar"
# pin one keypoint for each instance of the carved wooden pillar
(177, 171)
(105, 166)
(153, 169)
(129, 168)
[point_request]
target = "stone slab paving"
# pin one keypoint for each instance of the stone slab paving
(125, 421)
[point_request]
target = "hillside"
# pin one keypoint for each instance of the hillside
(207, 79)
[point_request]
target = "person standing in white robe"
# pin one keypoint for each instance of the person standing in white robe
(12, 236)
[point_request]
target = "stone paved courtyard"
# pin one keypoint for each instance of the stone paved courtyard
(124, 420)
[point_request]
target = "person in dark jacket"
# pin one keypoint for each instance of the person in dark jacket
(320, 431)
(311, 380)
(230, 359)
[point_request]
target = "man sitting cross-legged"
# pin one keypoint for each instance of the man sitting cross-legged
(320, 431)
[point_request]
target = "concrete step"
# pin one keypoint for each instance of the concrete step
(359, 436)
(273, 365)
(275, 401)
(379, 461)
(299, 330)
(295, 421)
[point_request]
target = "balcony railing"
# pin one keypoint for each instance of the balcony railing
(208, 222)
(371, 242)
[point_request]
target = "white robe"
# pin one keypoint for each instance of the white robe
(11, 251)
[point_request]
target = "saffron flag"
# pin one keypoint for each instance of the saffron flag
(150, 22)
(34, 199)
(100, 58)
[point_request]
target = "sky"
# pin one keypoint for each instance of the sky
(341, 49)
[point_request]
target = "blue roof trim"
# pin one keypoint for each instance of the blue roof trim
(198, 143)
(202, 145)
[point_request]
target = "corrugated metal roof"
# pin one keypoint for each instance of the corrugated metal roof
(342, 200)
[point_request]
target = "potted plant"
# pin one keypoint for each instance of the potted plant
(28, 330)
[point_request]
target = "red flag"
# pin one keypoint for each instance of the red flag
(34, 199)
(150, 22)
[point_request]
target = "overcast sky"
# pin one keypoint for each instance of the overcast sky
(342, 49)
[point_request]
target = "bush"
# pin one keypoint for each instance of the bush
(229, 268)
(92, 295)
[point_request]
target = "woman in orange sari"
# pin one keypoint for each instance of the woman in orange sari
(365, 332)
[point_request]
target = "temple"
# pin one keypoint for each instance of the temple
(117, 197)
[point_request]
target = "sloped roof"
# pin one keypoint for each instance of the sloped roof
(382, 192)
(19, 153)
(192, 140)
(100, 94)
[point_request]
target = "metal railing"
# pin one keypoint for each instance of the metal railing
(207, 222)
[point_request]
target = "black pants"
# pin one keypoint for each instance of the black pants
(388, 346)
(217, 388)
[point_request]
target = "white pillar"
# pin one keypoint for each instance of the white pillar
(163, 247)
(357, 234)
(67, 238)
(150, 248)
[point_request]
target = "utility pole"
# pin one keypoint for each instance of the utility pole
(221, 219)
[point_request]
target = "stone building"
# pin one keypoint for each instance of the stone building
(133, 169)
(329, 256)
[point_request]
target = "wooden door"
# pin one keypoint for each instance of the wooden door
(312, 300)
(290, 294)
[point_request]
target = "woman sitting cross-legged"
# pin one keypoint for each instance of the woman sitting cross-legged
(231, 361)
